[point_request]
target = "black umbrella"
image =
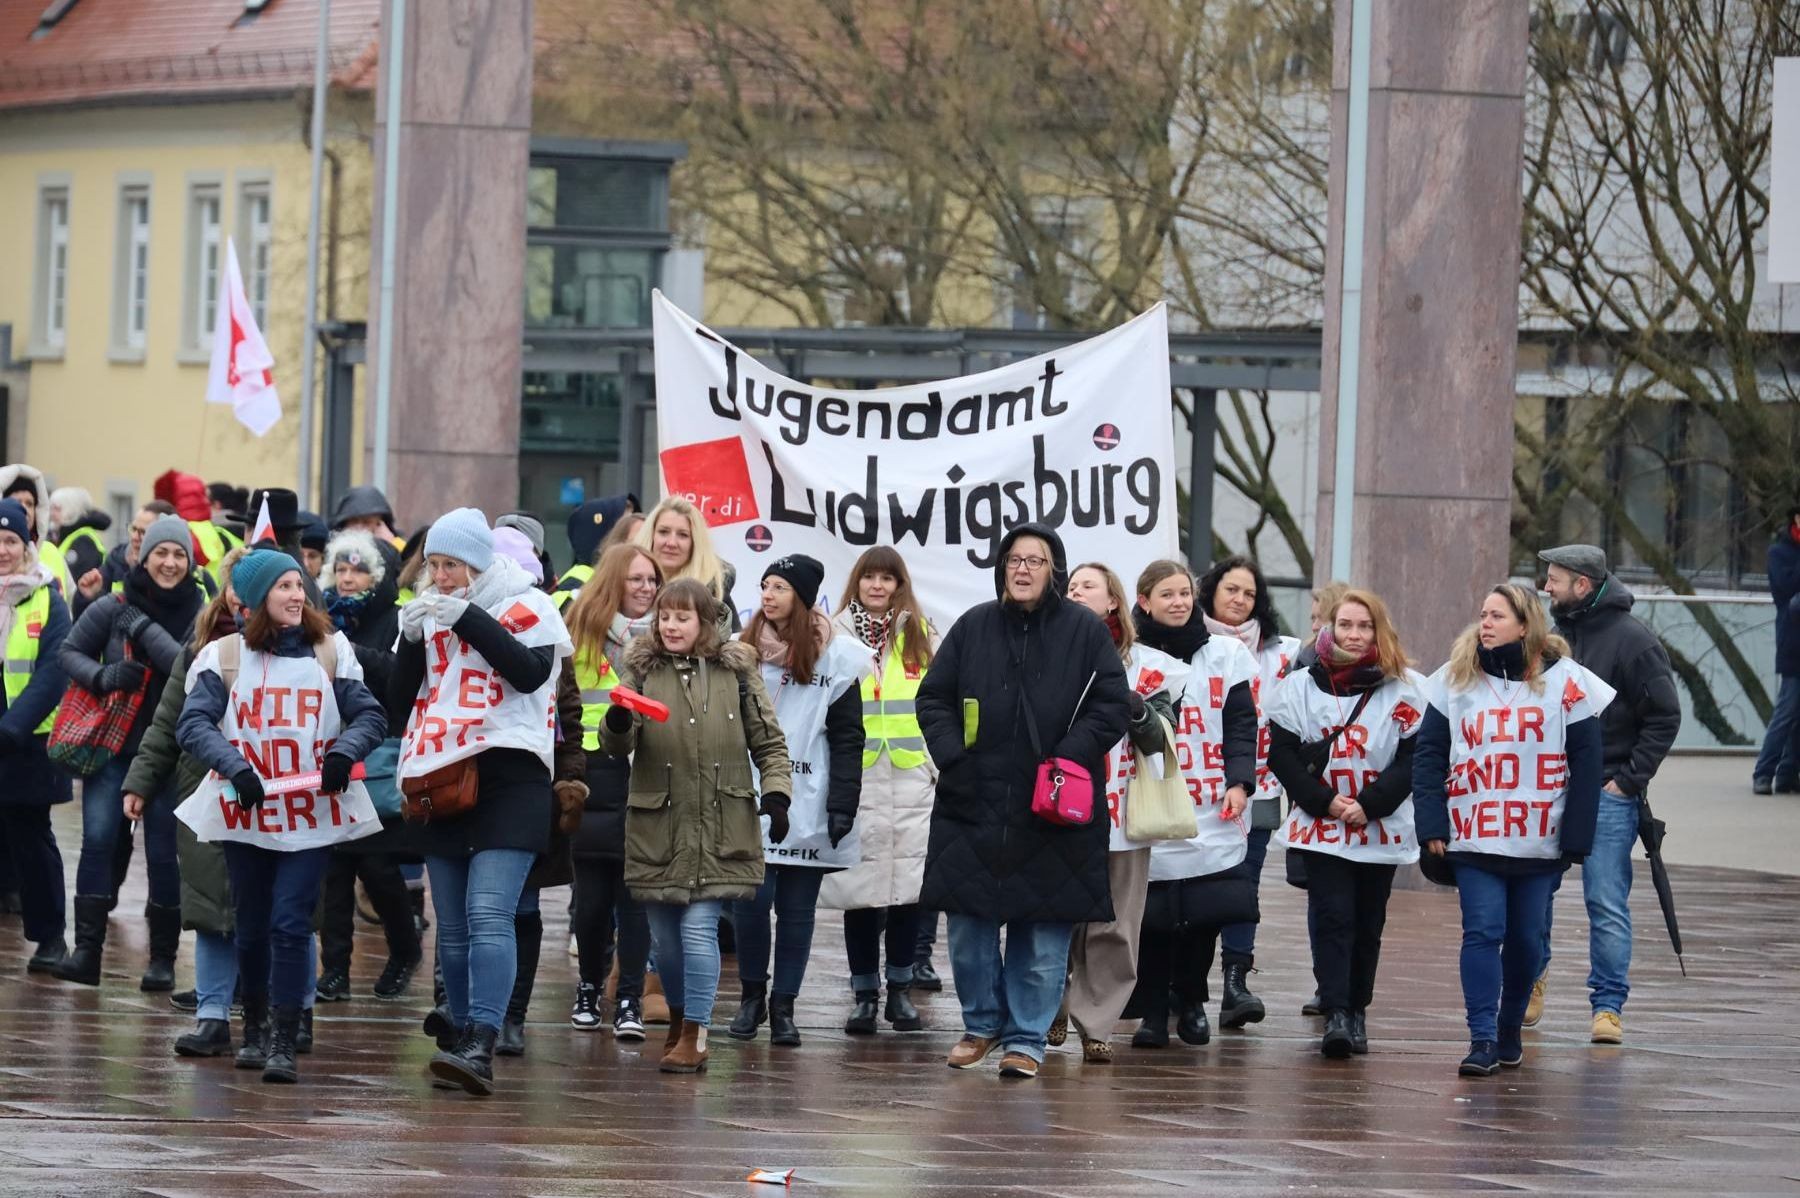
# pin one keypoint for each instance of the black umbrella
(1650, 831)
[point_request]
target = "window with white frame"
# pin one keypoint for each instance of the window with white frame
(53, 268)
(254, 247)
(206, 251)
(132, 284)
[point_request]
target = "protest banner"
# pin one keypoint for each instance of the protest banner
(1080, 439)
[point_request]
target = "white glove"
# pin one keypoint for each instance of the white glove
(448, 609)
(412, 618)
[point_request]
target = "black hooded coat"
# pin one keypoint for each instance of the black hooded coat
(988, 854)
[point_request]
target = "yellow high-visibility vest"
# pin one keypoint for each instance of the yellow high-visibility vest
(891, 714)
(82, 534)
(596, 680)
(582, 575)
(53, 560)
(22, 650)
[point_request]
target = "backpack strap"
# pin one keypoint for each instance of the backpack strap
(231, 656)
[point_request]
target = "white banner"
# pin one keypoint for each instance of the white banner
(1081, 439)
(1784, 174)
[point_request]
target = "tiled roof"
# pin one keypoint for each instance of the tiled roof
(109, 50)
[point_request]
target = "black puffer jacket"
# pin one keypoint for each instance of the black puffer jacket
(1637, 728)
(988, 855)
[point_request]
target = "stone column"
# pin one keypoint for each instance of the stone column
(1434, 445)
(460, 234)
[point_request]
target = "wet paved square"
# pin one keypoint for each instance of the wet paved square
(1703, 1098)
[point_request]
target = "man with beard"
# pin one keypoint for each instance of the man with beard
(1593, 613)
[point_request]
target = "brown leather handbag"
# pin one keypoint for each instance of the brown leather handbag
(442, 794)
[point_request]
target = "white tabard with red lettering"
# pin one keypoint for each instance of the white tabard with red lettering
(465, 707)
(282, 715)
(1509, 775)
(1365, 748)
(1149, 672)
(1221, 664)
(1271, 663)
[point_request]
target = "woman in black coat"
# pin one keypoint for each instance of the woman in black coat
(122, 643)
(1028, 667)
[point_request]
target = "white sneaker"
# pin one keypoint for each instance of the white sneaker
(628, 1021)
(586, 1014)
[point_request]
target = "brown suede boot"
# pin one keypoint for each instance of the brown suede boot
(656, 1006)
(674, 1036)
(689, 1053)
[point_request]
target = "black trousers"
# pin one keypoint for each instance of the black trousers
(864, 929)
(1172, 960)
(1347, 904)
(601, 900)
(37, 869)
(386, 888)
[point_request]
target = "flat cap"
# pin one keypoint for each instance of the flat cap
(1589, 560)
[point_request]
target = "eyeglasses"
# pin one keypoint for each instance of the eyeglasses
(1034, 564)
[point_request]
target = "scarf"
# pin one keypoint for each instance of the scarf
(16, 589)
(871, 629)
(1503, 661)
(1115, 628)
(346, 611)
(1180, 643)
(1249, 632)
(625, 629)
(1348, 673)
(772, 649)
(505, 579)
(173, 608)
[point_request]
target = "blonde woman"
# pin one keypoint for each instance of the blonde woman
(1506, 786)
(675, 534)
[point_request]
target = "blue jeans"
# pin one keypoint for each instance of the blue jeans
(792, 893)
(103, 819)
(1237, 942)
(1606, 885)
(215, 974)
(1010, 997)
(273, 894)
(1780, 757)
(475, 899)
(687, 949)
(1503, 918)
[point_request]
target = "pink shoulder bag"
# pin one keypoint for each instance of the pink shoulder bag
(1064, 790)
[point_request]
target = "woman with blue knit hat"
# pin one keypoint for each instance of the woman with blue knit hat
(280, 714)
(130, 642)
(474, 683)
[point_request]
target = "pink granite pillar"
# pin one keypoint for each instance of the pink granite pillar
(1434, 446)
(460, 232)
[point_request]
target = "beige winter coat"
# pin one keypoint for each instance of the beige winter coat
(893, 827)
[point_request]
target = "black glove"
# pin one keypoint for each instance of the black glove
(132, 621)
(1135, 703)
(618, 719)
(776, 808)
(334, 775)
(838, 825)
(249, 788)
(122, 676)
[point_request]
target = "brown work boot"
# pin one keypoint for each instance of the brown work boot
(674, 1030)
(1017, 1064)
(1607, 1028)
(688, 1055)
(970, 1051)
(1534, 1010)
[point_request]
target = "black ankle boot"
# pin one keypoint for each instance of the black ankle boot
(49, 956)
(254, 1053)
(210, 1038)
(1193, 1026)
(1239, 1006)
(303, 1039)
(862, 1020)
(280, 1067)
(528, 932)
(165, 940)
(440, 1027)
(900, 1010)
(753, 1011)
(471, 1063)
(1337, 1043)
(1359, 1033)
(82, 965)
(782, 1028)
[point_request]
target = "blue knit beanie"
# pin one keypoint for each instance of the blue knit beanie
(256, 574)
(13, 520)
(464, 535)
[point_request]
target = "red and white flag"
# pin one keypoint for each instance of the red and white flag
(265, 525)
(242, 373)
